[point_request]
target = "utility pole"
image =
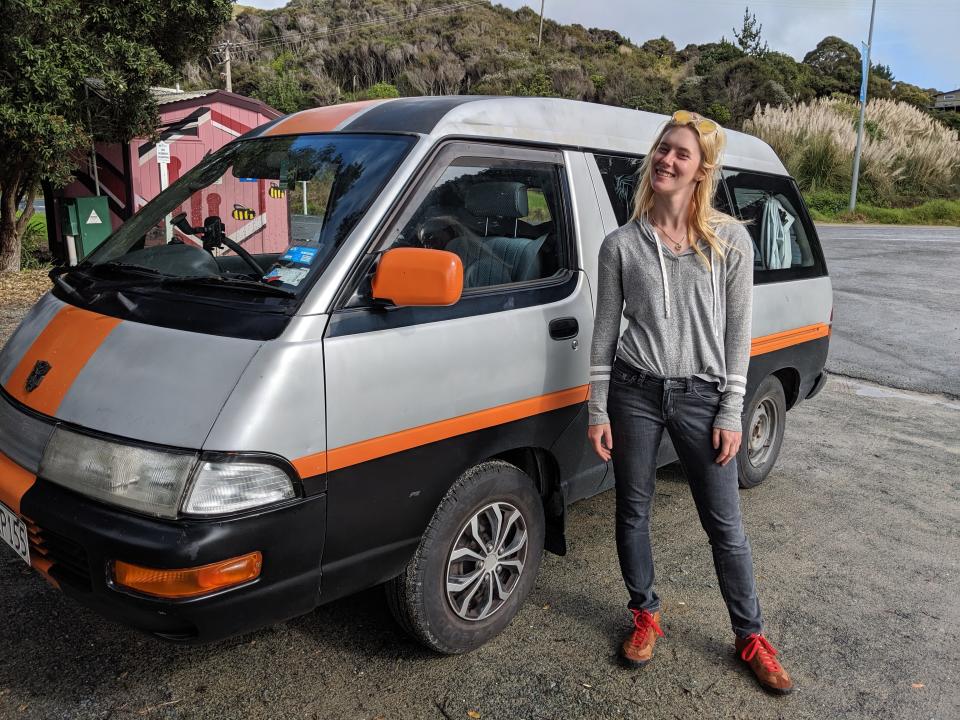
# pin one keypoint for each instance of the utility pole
(864, 82)
(226, 66)
(540, 34)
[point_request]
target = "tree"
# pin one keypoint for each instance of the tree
(837, 66)
(748, 39)
(661, 47)
(905, 92)
(80, 70)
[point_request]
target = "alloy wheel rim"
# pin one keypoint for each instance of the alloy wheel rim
(486, 561)
(763, 431)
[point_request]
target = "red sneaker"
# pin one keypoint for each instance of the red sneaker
(637, 649)
(758, 653)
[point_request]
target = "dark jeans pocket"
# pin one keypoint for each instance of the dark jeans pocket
(707, 392)
(621, 377)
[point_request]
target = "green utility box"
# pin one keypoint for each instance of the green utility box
(86, 224)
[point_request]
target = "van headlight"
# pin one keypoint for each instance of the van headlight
(160, 482)
(143, 479)
(221, 487)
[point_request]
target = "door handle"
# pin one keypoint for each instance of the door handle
(564, 328)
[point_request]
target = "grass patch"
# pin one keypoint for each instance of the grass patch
(828, 206)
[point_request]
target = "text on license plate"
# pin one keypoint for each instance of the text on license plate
(13, 531)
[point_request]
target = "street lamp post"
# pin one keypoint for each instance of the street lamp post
(864, 82)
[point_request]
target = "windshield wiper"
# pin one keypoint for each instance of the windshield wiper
(65, 286)
(115, 267)
(230, 283)
(133, 275)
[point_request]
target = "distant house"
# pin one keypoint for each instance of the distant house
(949, 100)
(192, 123)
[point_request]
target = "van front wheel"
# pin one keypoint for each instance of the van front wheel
(764, 424)
(476, 563)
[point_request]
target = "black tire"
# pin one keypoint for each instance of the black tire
(419, 599)
(763, 425)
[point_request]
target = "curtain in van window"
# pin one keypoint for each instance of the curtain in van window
(775, 242)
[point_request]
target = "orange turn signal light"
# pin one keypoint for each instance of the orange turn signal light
(188, 582)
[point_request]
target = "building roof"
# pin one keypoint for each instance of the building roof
(553, 121)
(169, 95)
(948, 92)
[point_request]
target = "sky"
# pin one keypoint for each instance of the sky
(917, 39)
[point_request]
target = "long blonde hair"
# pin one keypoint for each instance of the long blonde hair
(703, 219)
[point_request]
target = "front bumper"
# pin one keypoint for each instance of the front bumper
(80, 538)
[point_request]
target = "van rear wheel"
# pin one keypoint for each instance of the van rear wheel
(476, 563)
(764, 424)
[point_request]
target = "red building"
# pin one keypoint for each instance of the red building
(192, 123)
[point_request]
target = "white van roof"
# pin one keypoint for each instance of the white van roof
(553, 121)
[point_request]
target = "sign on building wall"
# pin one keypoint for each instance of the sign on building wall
(163, 152)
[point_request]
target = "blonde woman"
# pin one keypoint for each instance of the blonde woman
(681, 273)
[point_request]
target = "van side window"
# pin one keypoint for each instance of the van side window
(771, 207)
(621, 175)
(501, 216)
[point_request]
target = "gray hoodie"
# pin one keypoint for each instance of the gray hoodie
(683, 318)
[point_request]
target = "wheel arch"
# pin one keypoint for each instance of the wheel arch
(544, 470)
(789, 378)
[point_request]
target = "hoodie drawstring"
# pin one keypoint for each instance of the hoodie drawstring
(716, 295)
(663, 274)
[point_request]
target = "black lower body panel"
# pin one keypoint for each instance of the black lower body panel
(82, 538)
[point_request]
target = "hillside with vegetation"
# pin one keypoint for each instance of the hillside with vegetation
(314, 52)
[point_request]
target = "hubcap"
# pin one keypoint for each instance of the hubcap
(763, 431)
(487, 561)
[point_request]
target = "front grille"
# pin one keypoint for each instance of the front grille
(68, 559)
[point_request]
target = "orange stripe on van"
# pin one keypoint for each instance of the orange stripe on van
(14, 483)
(322, 119)
(374, 448)
(70, 339)
(781, 340)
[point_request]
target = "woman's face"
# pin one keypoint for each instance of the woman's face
(676, 161)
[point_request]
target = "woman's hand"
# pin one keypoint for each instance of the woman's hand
(602, 440)
(728, 443)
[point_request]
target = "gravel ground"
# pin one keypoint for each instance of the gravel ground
(857, 553)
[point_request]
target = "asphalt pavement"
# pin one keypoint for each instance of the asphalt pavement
(896, 304)
(856, 547)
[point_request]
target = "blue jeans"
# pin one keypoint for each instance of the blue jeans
(640, 406)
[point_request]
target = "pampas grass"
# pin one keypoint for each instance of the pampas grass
(906, 153)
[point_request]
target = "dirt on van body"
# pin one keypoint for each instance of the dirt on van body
(857, 554)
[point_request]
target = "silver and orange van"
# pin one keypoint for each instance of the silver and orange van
(352, 348)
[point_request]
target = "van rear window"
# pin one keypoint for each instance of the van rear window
(783, 237)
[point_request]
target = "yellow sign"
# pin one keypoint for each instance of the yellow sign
(243, 213)
(276, 191)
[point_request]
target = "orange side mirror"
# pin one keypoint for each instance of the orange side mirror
(417, 276)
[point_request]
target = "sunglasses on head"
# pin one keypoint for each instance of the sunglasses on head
(702, 124)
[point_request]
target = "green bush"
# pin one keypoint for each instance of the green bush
(827, 202)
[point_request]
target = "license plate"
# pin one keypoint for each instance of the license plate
(14, 533)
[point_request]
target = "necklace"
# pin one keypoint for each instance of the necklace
(677, 246)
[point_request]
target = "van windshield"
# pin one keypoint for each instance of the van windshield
(259, 217)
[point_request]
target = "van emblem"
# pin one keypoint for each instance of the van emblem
(37, 374)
